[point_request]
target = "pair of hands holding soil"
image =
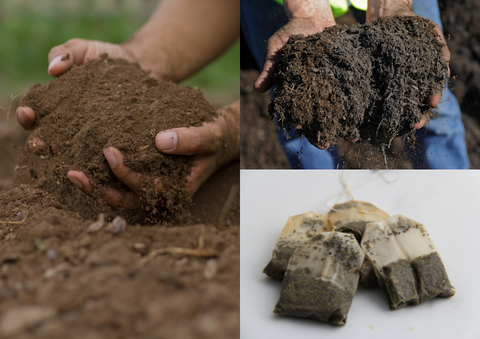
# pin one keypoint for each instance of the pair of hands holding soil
(313, 16)
(207, 144)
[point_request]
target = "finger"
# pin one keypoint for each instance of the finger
(272, 56)
(62, 57)
(352, 140)
(206, 139)
(445, 51)
(111, 196)
(132, 179)
(115, 199)
(202, 169)
(37, 146)
(25, 117)
(421, 123)
(79, 51)
(80, 180)
(434, 100)
(323, 145)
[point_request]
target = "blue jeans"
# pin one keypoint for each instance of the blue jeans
(439, 145)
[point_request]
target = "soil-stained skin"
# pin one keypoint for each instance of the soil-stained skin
(111, 102)
(368, 82)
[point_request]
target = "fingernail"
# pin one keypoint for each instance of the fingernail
(55, 61)
(110, 156)
(166, 141)
(76, 182)
(21, 115)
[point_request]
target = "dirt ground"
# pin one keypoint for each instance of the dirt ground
(458, 18)
(58, 281)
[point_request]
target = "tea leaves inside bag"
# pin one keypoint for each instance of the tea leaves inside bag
(322, 278)
(297, 230)
(406, 262)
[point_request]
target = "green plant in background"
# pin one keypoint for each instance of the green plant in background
(29, 32)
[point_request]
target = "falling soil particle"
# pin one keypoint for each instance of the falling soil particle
(367, 81)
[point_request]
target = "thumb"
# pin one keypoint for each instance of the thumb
(62, 57)
(190, 140)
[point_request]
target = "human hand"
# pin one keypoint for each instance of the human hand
(212, 146)
(381, 8)
(306, 17)
(73, 52)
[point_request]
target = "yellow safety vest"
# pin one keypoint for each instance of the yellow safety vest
(340, 7)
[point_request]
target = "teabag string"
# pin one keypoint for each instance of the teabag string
(348, 190)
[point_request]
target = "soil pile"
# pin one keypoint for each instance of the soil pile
(111, 102)
(367, 81)
(59, 281)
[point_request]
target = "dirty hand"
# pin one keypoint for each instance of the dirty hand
(212, 146)
(73, 52)
(306, 17)
(380, 8)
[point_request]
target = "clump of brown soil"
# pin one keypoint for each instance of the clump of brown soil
(112, 102)
(367, 81)
(59, 281)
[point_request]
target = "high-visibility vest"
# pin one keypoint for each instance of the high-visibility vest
(340, 7)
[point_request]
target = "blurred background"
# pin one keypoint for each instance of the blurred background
(30, 28)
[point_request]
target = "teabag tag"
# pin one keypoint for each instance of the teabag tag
(296, 231)
(351, 217)
(407, 264)
(322, 278)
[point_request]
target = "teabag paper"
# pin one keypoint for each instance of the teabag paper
(296, 231)
(407, 264)
(321, 278)
(351, 217)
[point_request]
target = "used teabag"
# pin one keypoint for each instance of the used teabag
(322, 278)
(296, 231)
(407, 264)
(351, 217)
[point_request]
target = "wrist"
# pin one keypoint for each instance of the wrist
(317, 12)
(380, 8)
(306, 8)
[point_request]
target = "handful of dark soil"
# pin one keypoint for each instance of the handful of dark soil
(367, 82)
(112, 102)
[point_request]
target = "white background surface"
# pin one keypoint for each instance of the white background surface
(446, 202)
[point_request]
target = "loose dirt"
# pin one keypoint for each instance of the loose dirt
(367, 81)
(59, 281)
(111, 102)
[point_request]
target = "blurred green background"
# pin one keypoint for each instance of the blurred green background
(29, 28)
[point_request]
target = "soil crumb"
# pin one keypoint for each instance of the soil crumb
(112, 102)
(364, 82)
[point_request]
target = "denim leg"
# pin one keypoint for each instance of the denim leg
(303, 155)
(440, 144)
